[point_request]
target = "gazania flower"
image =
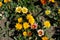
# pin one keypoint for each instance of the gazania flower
(40, 32)
(18, 9)
(29, 16)
(58, 11)
(0, 4)
(6, 1)
(31, 21)
(52, 1)
(47, 24)
(47, 12)
(24, 33)
(24, 10)
(43, 2)
(18, 26)
(29, 33)
(44, 38)
(19, 19)
(34, 26)
(26, 25)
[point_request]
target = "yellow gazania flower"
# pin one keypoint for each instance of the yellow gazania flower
(24, 10)
(47, 12)
(29, 16)
(58, 11)
(52, 1)
(26, 25)
(24, 33)
(18, 26)
(47, 24)
(6, 1)
(45, 38)
(19, 20)
(18, 9)
(0, 4)
(31, 21)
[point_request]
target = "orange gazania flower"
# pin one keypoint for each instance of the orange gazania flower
(34, 26)
(29, 33)
(43, 2)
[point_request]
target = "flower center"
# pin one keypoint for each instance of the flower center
(40, 33)
(33, 26)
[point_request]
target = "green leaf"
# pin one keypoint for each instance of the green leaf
(6, 14)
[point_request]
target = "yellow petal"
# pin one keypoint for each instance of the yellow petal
(24, 10)
(0, 4)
